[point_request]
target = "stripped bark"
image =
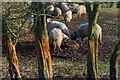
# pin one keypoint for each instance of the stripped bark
(92, 60)
(42, 45)
(9, 50)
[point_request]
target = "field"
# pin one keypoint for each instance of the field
(70, 62)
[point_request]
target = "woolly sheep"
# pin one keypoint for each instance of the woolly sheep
(57, 24)
(64, 7)
(57, 11)
(73, 6)
(56, 37)
(81, 32)
(68, 16)
(80, 10)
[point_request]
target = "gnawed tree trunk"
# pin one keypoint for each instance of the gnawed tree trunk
(42, 45)
(9, 49)
(118, 4)
(92, 60)
(114, 63)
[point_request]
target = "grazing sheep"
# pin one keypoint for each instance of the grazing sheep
(56, 37)
(68, 16)
(80, 10)
(81, 32)
(73, 6)
(57, 11)
(64, 7)
(57, 24)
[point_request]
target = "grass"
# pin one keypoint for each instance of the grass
(103, 69)
(72, 68)
(109, 10)
(68, 68)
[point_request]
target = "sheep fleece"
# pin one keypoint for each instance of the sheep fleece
(81, 31)
(56, 37)
(57, 24)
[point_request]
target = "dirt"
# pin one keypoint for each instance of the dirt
(27, 55)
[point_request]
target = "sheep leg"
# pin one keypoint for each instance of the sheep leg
(100, 38)
(82, 41)
(54, 45)
(59, 45)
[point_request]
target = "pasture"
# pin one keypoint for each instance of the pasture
(71, 62)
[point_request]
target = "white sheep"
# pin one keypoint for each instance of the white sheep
(72, 6)
(64, 7)
(80, 10)
(57, 24)
(81, 32)
(68, 16)
(56, 37)
(57, 11)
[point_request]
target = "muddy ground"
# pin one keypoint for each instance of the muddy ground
(69, 56)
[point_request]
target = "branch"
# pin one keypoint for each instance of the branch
(11, 32)
(89, 7)
(95, 12)
(14, 18)
(21, 28)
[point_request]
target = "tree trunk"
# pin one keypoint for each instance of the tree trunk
(92, 11)
(42, 47)
(118, 4)
(9, 50)
(114, 63)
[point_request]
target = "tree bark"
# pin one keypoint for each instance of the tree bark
(42, 46)
(114, 63)
(9, 49)
(92, 60)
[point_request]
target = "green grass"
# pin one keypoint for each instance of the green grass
(72, 68)
(109, 10)
(68, 68)
(103, 69)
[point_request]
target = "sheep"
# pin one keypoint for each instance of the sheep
(56, 37)
(68, 16)
(81, 32)
(66, 11)
(72, 6)
(80, 10)
(57, 24)
(57, 11)
(64, 7)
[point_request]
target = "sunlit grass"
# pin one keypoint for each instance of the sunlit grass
(72, 68)
(68, 68)
(109, 10)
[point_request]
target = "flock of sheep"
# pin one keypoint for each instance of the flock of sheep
(59, 33)
(66, 9)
